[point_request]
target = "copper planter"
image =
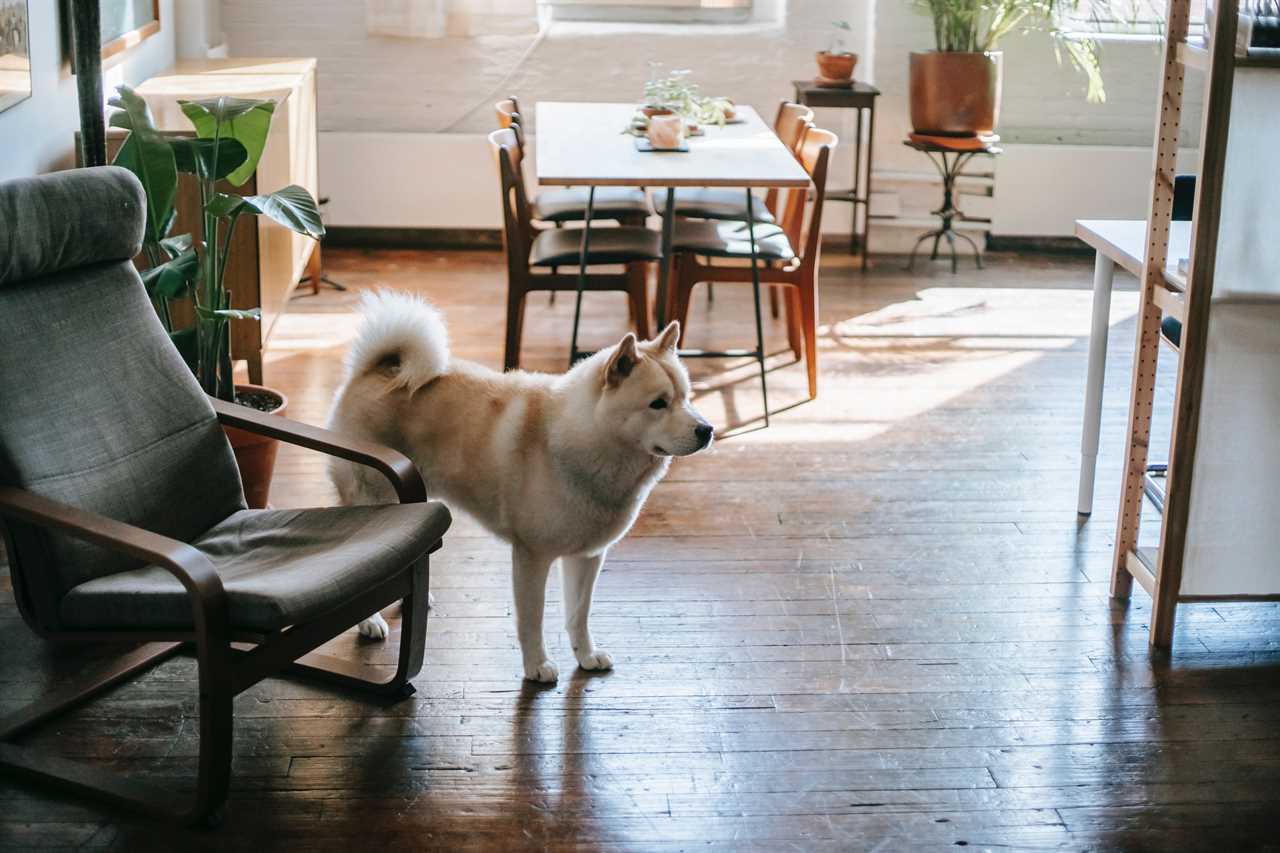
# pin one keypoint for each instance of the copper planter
(955, 94)
(256, 454)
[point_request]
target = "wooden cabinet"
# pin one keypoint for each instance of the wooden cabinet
(268, 260)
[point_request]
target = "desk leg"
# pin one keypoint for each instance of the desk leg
(664, 267)
(1104, 270)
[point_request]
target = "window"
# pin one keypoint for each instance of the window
(1120, 19)
(651, 11)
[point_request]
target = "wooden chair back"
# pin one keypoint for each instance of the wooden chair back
(814, 152)
(517, 225)
(508, 112)
(790, 123)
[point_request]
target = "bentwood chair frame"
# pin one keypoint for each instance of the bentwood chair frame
(799, 276)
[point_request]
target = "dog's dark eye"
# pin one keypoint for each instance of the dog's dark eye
(659, 403)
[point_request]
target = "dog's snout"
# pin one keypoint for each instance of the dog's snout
(703, 432)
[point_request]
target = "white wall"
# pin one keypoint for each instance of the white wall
(38, 135)
(403, 120)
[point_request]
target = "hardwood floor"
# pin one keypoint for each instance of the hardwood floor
(877, 624)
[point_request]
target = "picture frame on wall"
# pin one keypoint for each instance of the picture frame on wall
(127, 23)
(15, 53)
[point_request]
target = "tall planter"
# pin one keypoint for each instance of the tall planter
(955, 94)
(255, 453)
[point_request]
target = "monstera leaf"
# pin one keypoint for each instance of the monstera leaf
(246, 121)
(293, 207)
(147, 154)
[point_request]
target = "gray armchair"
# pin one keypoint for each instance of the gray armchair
(121, 505)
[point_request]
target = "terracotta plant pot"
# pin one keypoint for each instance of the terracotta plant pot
(836, 67)
(256, 454)
(955, 94)
(650, 112)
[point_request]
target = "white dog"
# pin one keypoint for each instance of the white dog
(559, 466)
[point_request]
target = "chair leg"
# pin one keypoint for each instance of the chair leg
(515, 326)
(773, 302)
(682, 296)
(214, 763)
(413, 646)
(638, 298)
(795, 326)
(809, 308)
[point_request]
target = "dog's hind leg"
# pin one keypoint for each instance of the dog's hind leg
(578, 576)
(529, 586)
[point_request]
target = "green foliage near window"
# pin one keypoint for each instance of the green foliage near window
(231, 134)
(976, 26)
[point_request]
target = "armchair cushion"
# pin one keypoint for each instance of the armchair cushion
(279, 568)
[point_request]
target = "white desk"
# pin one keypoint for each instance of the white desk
(1116, 241)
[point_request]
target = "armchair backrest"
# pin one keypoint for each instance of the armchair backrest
(97, 409)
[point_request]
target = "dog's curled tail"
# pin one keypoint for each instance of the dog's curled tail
(402, 337)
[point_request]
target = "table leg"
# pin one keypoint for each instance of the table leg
(668, 229)
(857, 183)
(866, 185)
(1104, 270)
(755, 288)
(582, 274)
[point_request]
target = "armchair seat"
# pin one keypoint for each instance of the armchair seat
(278, 567)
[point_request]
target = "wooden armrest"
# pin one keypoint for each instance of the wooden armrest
(192, 568)
(395, 466)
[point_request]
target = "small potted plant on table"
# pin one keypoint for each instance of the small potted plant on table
(836, 63)
(230, 135)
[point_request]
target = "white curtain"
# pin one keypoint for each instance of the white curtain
(450, 18)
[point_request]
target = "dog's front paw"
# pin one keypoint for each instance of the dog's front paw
(544, 673)
(375, 627)
(597, 660)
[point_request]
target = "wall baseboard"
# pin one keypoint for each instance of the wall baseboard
(359, 237)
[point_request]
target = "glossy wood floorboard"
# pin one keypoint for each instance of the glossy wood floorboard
(878, 624)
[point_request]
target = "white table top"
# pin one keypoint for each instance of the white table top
(583, 144)
(1124, 241)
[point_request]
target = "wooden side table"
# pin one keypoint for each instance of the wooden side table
(861, 98)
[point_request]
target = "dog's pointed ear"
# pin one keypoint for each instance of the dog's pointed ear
(666, 342)
(623, 361)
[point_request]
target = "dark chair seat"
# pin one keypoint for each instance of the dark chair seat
(570, 204)
(279, 568)
(719, 203)
(563, 247)
(731, 240)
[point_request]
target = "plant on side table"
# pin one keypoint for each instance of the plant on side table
(230, 135)
(955, 89)
(836, 63)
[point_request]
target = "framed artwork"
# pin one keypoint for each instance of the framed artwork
(15, 53)
(126, 23)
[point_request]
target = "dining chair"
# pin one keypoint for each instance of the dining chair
(730, 204)
(530, 249)
(625, 205)
(122, 509)
(798, 273)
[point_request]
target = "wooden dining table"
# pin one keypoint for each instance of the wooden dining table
(586, 145)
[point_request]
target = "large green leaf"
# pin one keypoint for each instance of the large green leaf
(172, 278)
(198, 157)
(246, 121)
(148, 155)
(293, 207)
(229, 313)
(174, 246)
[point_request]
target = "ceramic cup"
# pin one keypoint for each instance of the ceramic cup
(666, 131)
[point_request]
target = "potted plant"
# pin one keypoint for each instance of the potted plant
(955, 89)
(836, 63)
(675, 94)
(230, 135)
